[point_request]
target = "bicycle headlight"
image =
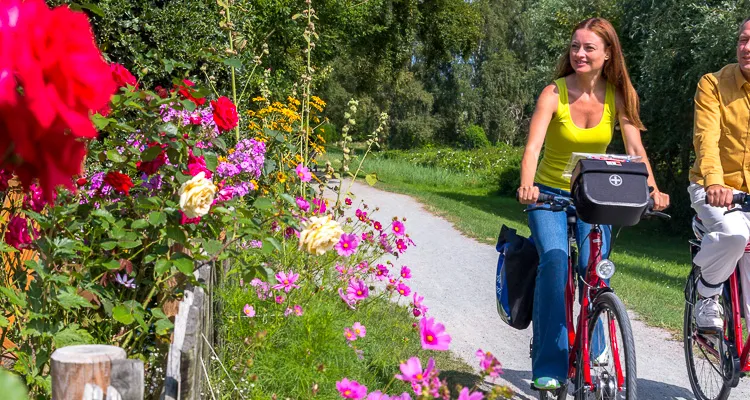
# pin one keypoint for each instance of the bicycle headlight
(605, 269)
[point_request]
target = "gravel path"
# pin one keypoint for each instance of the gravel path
(456, 275)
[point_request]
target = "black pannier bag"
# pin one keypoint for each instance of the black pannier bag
(610, 192)
(516, 278)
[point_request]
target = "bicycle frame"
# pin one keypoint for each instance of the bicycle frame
(593, 285)
(743, 349)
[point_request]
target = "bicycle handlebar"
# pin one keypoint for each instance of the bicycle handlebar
(737, 198)
(560, 203)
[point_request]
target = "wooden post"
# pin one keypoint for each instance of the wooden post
(84, 372)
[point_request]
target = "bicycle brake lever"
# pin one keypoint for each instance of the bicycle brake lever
(733, 210)
(658, 214)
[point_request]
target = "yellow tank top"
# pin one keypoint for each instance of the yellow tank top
(564, 137)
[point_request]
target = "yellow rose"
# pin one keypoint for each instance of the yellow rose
(197, 195)
(320, 234)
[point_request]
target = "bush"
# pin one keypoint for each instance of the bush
(473, 137)
(329, 133)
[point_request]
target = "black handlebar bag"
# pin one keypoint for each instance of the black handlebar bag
(515, 278)
(610, 192)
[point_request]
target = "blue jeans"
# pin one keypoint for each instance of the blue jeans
(549, 355)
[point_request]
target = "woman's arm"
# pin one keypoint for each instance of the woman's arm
(546, 107)
(634, 147)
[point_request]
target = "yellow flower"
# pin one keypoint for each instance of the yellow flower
(259, 98)
(222, 159)
(281, 177)
(317, 100)
(321, 138)
(320, 234)
(230, 151)
(196, 196)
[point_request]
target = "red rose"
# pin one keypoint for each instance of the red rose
(184, 220)
(122, 76)
(197, 165)
(17, 233)
(187, 93)
(119, 182)
(81, 182)
(54, 58)
(225, 114)
(151, 167)
(161, 92)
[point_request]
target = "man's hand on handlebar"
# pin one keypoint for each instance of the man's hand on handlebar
(661, 200)
(719, 196)
(527, 194)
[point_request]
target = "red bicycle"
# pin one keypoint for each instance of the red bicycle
(614, 378)
(716, 362)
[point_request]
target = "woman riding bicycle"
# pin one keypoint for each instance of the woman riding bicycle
(590, 95)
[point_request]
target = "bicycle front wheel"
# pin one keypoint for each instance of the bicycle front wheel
(702, 353)
(611, 353)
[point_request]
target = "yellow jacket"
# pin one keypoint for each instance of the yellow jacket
(721, 132)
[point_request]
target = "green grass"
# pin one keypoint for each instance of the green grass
(289, 356)
(652, 265)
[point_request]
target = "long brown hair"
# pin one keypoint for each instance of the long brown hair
(614, 71)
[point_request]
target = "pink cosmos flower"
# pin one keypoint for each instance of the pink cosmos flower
(382, 272)
(348, 300)
(377, 225)
(350, 335)
(286, 281)
(465, 395)
(400, 245)
(287, 312)
(359, 329)
(249, 311)
(357, 290)
(351, 389)
(433, 335)
(403, 290)
(347, 245)
(419, 308)
(319, 206)
(363, 265)
(398, 228)
(303, 173)
(298, 310)
(411, 371)
(489, 363)
(405, 272)
(343, 271)
(348, 201)
(279, 299)
(303, 204)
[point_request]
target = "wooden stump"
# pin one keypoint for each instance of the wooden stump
(83, 369)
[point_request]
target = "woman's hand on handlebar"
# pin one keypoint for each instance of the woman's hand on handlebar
(661, 200)
(527, 194)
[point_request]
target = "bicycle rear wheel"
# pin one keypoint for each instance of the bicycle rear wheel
(702, 353)
(559, 394)
(618, 357)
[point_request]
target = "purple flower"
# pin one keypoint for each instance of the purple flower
(123, 280)
(303, 173)
(357, 290)
(405, 272)
(303, 204)
(398, 228)
(351, 389)
(381, 273)
(347, 244)
(286, 281)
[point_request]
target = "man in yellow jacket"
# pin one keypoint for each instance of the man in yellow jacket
(722, 167)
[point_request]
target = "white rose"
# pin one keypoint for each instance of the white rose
(197, 195)
(320, 234)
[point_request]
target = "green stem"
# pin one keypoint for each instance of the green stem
(231, 68)
(359, 167)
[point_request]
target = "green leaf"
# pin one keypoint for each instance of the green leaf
(112, 264)
(184, 265)
(177, 234)
(220, 143)
(233, 62)
(188, 105)
(289, 199)
(16, 299)
(211, 161)
(101, 213)
(274, 242)
(88, 6)
(182, 178)
(163, 326)
(108, 245)
(158, 313)
(162, 266)
(138, 224)
(151, 153)
(122, 315)
(129, 244)
(263, 203)
(115, 156)
(72, 336)
(169, 128)
(3, 322)
(212, 247)
(99, 121)
(174, 155)
(70, 300)
(371, 179)
(13, 386)
(157, 218)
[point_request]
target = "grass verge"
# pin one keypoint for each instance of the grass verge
(301, 357)
(652, 266)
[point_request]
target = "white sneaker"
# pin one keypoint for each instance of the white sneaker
(708, 315)
(603, 359)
